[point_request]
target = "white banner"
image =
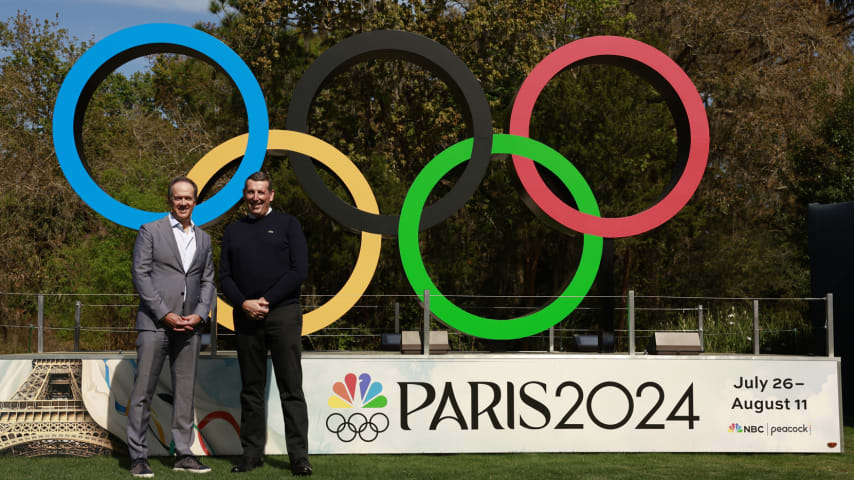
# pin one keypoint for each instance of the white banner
(557, 403)
(518, 403)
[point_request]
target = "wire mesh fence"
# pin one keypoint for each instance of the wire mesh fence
(733, 325)
(61, 322)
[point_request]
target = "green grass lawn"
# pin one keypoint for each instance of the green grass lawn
(533, 466)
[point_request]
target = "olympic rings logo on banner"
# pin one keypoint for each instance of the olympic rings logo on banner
(357, 425)
(671, 82)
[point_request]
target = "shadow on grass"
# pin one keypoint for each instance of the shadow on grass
(281, 462)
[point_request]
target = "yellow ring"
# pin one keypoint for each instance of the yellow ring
(357, 185)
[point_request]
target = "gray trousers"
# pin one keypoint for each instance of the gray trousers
(152, 348)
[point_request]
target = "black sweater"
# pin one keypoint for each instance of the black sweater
(263, 257)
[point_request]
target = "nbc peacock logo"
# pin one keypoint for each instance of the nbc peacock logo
(357, 393)
(734, 427)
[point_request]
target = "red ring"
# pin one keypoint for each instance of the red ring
(567, 56)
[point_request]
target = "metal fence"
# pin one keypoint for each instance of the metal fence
(105, 322)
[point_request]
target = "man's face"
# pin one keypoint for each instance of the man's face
(182, 202)
(257, 196)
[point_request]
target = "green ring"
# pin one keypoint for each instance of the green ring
(416, 273)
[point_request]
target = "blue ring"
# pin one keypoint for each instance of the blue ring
(158, 36)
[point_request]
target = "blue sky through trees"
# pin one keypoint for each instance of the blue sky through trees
(95, 19)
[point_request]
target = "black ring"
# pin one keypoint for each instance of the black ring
(373, 428)
(340, 426)
(383, 44)
(357, 429)
(366, 426)
(379, 430)
(369, 439)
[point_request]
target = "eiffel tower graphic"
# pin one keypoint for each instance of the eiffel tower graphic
(46, 416)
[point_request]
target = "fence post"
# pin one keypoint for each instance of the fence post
(77, 307)
(41, 324)
(829, 325)
(631, 322)
(700, 319)
(756, 327)
(213, 331)
(396, 317)
(425, 337)
(552, 338)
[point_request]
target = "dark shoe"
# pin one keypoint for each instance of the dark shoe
(189, 463)
(140, 469)
(302, 468)
(247, 464)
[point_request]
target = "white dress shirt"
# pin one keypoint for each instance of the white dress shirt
(186, 241)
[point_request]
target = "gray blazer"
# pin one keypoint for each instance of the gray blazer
(161, 281)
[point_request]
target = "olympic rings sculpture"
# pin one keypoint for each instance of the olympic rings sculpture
(357, 425)
(665, 75)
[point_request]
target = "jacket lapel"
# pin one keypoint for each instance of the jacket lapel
(199, 249)
(166, 230)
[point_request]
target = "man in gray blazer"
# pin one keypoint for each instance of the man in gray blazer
(174, 276)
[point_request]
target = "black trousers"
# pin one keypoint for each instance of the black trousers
(280, 334)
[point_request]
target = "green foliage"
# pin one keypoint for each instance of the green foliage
(479, 466)
(101, 261)
(772, 76)
(824, 167)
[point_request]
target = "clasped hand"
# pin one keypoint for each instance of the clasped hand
(256, 309)
(180, 323)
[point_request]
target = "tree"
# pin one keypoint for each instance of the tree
(392, 117)
(762, 68)
(50, 240)
(771, 76)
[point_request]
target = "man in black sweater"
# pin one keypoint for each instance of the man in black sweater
(264, 260)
